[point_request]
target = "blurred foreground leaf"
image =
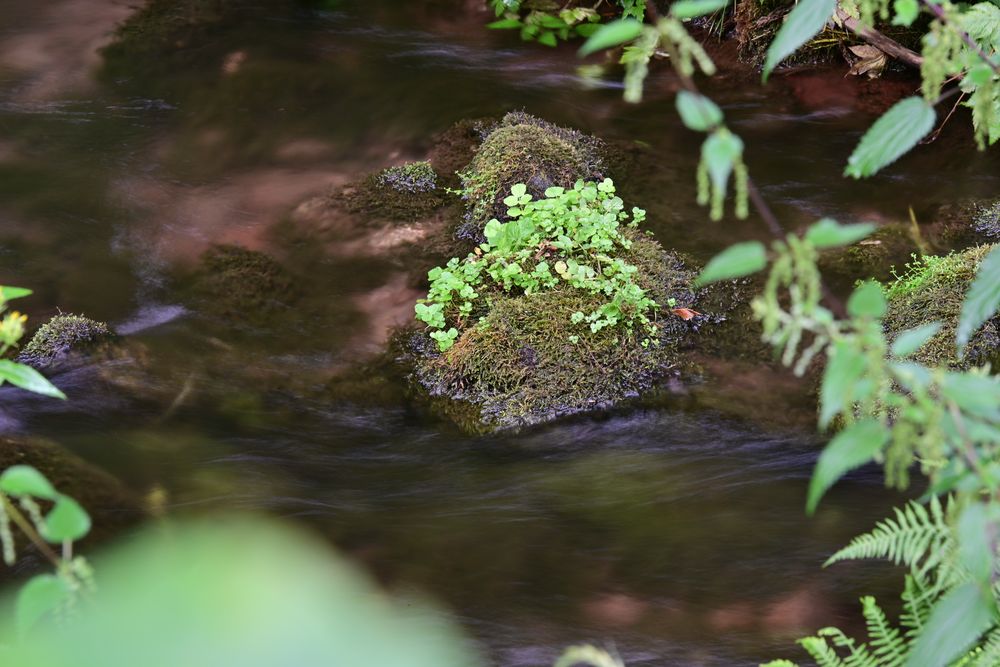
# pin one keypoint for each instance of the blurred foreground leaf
(241, 593)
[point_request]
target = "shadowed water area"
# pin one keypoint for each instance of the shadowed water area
(674, 532)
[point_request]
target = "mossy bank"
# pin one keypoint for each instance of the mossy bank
(932, 289)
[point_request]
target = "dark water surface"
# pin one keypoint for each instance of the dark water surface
(675, 535)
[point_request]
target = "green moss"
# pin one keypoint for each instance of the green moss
(243, 285)
(403, 193)
(64, 337)
(932, 290)
(525, 149)
(518, 367)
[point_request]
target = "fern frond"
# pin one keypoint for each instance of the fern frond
(918, 600)
(820, 651)
(918, 537)
(887, 644)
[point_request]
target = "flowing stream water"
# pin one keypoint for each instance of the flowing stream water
(675, 533)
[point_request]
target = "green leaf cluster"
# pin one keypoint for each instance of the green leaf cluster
(572, 237)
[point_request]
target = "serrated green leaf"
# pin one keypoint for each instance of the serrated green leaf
(828, 233)
(867, 300)
(67, 521)
(23, 480)
(891, 136)
(8, 293)
(40, 596)
(853, 447)
(955, 622)
(611, 34)
(689, 9)
(27, 378)
(697, 111)
(738, 260)
(911, 340)
(982, 22)
(802, 24)
(982, 300)
(905, 12)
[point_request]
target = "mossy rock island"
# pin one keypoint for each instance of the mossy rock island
(932, 290)
(565, 306)
(66, 341)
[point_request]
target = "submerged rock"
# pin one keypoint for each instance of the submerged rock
(403, 193)
(66, 340)
(242, 285)
(932, 290)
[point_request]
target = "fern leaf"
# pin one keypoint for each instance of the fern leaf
(820, 651)
(918, 599)
(887, 644)
(917, 537)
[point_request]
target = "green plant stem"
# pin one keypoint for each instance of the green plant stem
(15, 514)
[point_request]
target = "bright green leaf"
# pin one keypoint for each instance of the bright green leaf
(867, 300)
(23, 480)
(67, 521)
(738, 260)
(802, 24)
(8, 293)
(896, 132)
(40, 596)
(955, 622)
(689, 9)
(547, 38)
(983, 299)
(828, 233)
(697, 111)
(853, 447)
(504, 24)
(27, 378)
(911, 340)
(905, 12)
(611, 34)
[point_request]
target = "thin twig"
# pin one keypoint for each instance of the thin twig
(934, 135)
